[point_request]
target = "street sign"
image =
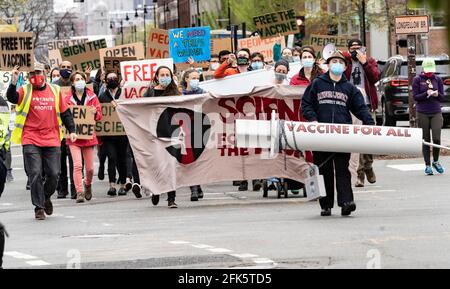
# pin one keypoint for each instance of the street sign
(414, 24)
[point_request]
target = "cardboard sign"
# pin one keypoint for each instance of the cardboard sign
(158, 44)
(133, 50)
(112, 64)
(265, 46)
(84, 55)
(110, 124)
(190, 42)
(84, 122)
(138, 75)
(54, 55)
(17, 49)
(219, 44)
(273, 24)
(320, 41)
(412, 24)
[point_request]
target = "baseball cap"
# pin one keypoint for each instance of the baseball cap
(428, 65)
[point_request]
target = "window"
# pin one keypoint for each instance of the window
(438, 20)
(312, 6)
(390, 68)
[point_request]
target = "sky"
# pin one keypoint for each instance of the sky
(63, 5)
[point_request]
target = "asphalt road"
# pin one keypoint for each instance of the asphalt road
(402, 221)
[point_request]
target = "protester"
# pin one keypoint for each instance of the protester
(4, 141)
(163, 85)
(114, 147)
(281, 70)
(428, 92)
(330, 99)
(47, 70)
(54, 75)
(65, 70)
(3, 234)
(296, 54)
(310, 68)
(234, 65)
(256, 61)
(82, 151)
(214, 62)
(223, 56)
(40, 114)
(8, 159)
(363, 72)
(286, 54)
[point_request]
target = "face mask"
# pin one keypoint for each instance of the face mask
(55, 79)
(296, 58)
(65, 73)
(80, 85)
(280, 77)
(37, 81)
(165, 81)
(194, 83)
(308, 63)
(257, 65)
(112, 84)
(354, 54)
(337, 69)
(242, 61)
(289, 59)
(214, 66)
(428, 74)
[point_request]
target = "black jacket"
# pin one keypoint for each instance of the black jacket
(327, 101)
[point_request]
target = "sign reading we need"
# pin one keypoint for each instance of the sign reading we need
(190, 42)
(274, 24)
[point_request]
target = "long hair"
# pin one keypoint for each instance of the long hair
(186, 74)
(172, 88)
(316, 70)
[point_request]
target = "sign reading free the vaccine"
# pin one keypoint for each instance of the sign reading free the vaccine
(190, 42)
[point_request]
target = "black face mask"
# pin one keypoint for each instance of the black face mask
(242, 61)
(354, 54)
(112, 84)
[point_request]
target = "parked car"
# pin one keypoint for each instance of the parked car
(393, 88)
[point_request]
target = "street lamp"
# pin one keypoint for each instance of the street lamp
(136, 15)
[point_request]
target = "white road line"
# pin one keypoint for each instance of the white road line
(407, 167)
(244, 256)
(224, 198)
(107, 225)
(375, 191)
(69, 217)
(201, 246)
(6, 204)
(19, 255)
(37, 263)
(178, 242)
(219, 250)
(262, 261)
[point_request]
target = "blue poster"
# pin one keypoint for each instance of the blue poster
(190, 42)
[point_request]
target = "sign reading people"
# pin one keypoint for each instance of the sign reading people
(132, 50)
(320, 41)
(190, 42)
(84, 55)
(276, 23)
(158, 44)
(16, 49)
(138, 75)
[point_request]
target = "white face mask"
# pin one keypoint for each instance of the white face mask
(215, 65)
(80, 85)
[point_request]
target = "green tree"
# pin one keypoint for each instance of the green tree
(436, 6)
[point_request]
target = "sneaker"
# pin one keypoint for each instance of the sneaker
(325, 212)
(243, 187)
(348, 208)
(9, 177)
(48, 207)
(359, 183)
(172, 205)
(200, 193)
(155, 200)
(101, 173)
(112, 192)
(371, 178)
(136, 189)
(257, 185)
(122, 192)
(39, 214)
(128, 185)
(438, 167)
(194, 196)
(428, 171)
(80, 198)
(62, 194)
(88, 192)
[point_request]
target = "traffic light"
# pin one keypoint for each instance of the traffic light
(301, 27)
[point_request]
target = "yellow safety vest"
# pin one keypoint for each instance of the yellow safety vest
(24, 107)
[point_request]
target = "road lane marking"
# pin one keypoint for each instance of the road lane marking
(178, 242)
(37, 263)
(244, 256)
(407, 167)
(19, 255)
(262, 260)
(374, 191)
(201, 246)
(219, 250)
(6, 204)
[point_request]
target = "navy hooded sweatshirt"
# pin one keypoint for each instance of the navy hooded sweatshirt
(332, 102)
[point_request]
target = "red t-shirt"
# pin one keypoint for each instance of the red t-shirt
(41, 126)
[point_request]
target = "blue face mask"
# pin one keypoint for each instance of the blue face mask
(80, 85)
(257, 65)
(165, 81)
(337, 69)
(194, 83)
(308, 62)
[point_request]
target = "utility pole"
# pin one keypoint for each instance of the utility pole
(363, 21)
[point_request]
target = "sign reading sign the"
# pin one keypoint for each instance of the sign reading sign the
(158, 44)
(17, 49)
(54, 55)
(411, 24)
(132, 50)
(110, 124)
(274, 24)
(190, 42)
(138, 75)
(84, 55)
(84, 122)
(264, 46)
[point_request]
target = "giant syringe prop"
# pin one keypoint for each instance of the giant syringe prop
(278, 134)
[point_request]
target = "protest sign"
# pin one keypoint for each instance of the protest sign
(16, 48)
(175, 140)
(112, 64)
(54, 55)
(320, 41)
(219, 44)
(84, 122)
(264, 46)
(110, 124)
(134, 50)
(138, 75)
(84, 55)
(190, 42)
(276, 23)
(158, 44)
